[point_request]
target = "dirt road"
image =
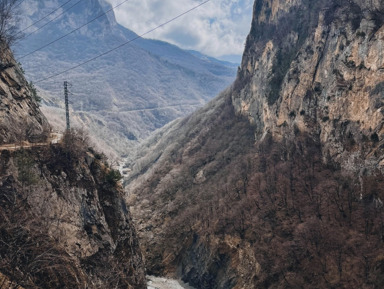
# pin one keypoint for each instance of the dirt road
(54, 138)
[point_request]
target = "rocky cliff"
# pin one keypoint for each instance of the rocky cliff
(63, 220)
(21, 119)
(316, 68)
(277, 183)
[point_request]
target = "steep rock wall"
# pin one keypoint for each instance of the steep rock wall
(79, 212)
(21, 119)
(317, 67)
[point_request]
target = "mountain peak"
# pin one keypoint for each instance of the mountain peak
(69, 16)
(98, 12)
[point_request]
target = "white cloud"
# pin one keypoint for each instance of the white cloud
(217, 28)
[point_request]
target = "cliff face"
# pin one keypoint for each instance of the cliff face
(317, 68)
(21, 119)
(277, 183)
(63, 220)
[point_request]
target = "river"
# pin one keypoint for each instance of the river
(164, 283)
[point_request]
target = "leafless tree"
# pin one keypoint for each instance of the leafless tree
(75, 143)
(8, 22)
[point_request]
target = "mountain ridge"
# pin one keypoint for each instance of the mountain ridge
(144, 74)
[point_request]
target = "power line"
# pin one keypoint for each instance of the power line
(17, 5)
(78, 28)
(49, 14)
(53, 19)
(123, 44)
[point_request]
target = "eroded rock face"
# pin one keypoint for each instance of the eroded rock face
(20, 117)
(318, 69)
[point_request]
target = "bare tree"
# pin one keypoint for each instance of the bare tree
(8, 20)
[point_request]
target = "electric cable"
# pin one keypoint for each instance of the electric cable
(17, 5)
(123, 44)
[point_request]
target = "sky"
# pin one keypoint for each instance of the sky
(218, 28)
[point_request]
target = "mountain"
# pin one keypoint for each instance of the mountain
(63, 220)
(121, 96)
(279, 181)
(205, 57)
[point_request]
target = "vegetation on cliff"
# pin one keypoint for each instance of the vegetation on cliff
(278, 183)
(63, 222)
(270, 216)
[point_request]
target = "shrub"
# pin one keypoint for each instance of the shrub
(375, 137)
(34, 94)
(113, 176)
(25, 164)
(75, 143)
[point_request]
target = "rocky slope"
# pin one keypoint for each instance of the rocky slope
(19, 114)
(63, 220)
(277, 183)
(123, 96)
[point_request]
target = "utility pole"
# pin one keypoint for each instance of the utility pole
(66, 104)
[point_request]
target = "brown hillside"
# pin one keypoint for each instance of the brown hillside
(278, 183)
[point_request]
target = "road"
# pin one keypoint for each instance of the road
(53, 138)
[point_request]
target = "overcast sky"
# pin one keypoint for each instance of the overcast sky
(218, 28)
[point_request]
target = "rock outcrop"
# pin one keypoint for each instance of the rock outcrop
(277, 183)
(317, 68)
(64, 222)
(21, 119)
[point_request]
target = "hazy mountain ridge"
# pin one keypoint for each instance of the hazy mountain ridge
(160, 78)
(278, 182)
